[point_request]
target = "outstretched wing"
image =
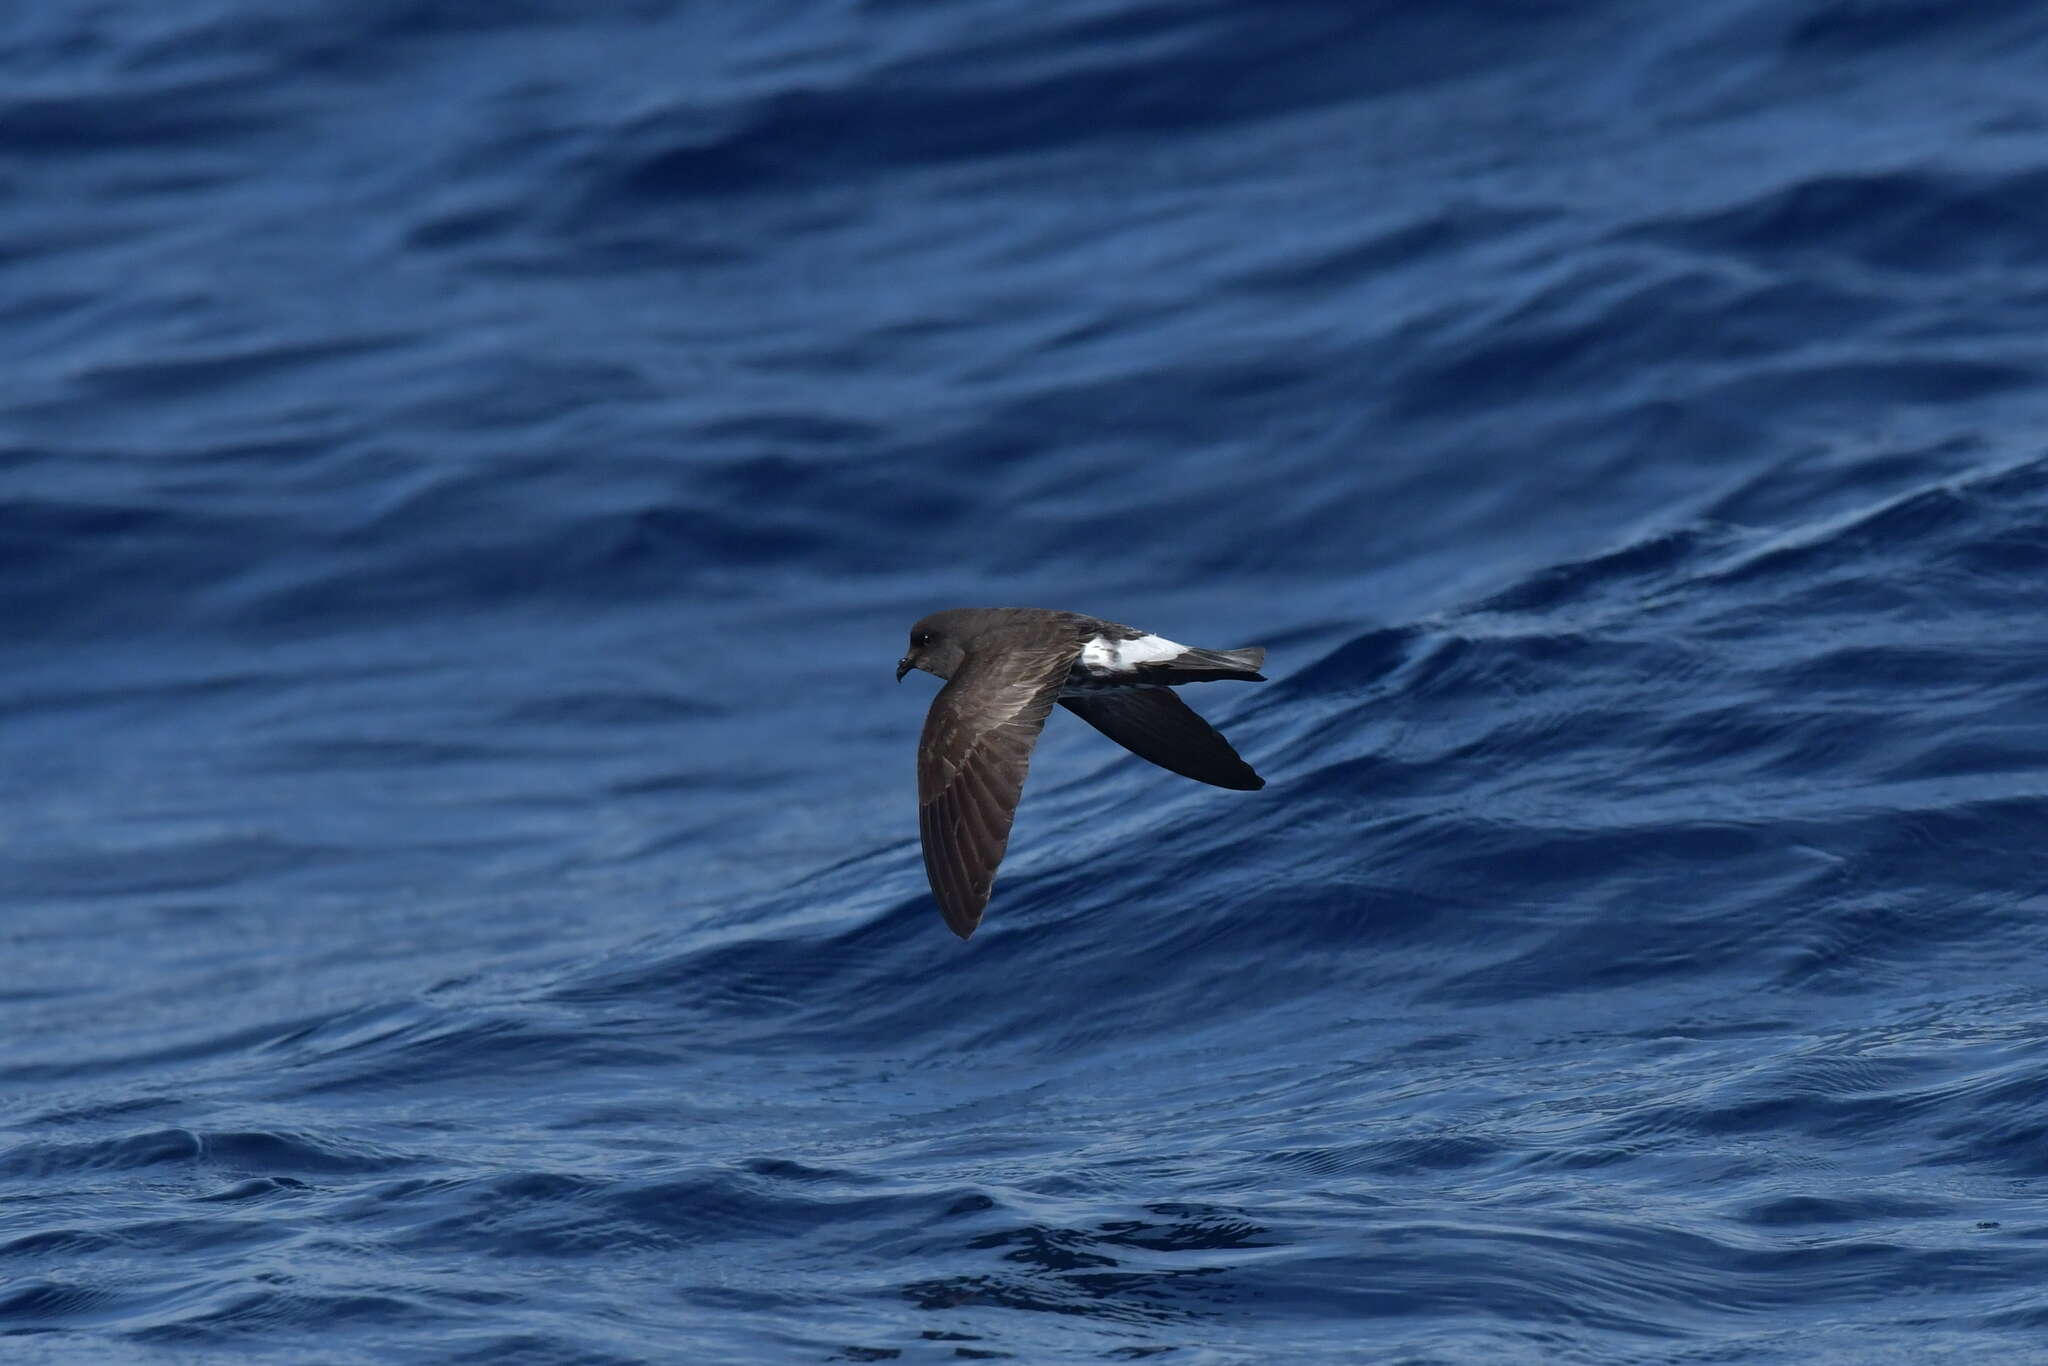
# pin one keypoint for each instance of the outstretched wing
(1155, 724)
(971, 764)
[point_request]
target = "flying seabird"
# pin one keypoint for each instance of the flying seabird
(1004, 668)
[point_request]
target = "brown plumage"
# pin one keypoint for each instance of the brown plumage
(1005, 667)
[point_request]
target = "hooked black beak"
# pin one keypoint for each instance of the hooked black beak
(903, 666)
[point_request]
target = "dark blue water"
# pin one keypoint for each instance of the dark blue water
(466, 471)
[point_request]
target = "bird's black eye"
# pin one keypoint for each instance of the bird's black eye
(921, 638)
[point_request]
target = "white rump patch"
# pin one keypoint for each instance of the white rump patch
(1102, 655)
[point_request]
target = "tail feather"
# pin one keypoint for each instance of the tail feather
(1208, 666)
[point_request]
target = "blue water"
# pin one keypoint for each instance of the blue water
(466, 472)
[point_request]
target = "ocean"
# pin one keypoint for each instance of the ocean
(467, 472)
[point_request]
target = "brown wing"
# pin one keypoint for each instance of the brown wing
(1155, 724)
(970, 769)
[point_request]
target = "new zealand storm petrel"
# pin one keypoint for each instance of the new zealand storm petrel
(1004, 668)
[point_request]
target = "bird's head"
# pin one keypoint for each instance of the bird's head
(936, 645)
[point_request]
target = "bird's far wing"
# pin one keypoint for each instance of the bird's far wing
(971, 764)
(1155, 724)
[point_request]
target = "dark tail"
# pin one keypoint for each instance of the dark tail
(1210, 666)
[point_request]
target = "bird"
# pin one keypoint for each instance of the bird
(1004, 668)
